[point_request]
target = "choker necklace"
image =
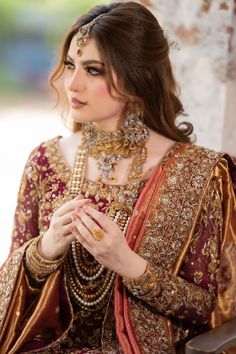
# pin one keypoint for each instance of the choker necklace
(110, 147)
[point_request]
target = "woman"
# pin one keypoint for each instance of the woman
(73, 283)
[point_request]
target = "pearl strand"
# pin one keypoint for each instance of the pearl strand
(99, 299)
(88, 278)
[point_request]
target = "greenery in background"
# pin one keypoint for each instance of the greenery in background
(60, 12)
(19, 19)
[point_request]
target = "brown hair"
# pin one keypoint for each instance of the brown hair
(132, 43)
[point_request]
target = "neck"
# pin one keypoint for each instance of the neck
(107, 125)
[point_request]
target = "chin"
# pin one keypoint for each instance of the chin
(78, 118)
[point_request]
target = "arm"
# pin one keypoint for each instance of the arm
(35, 311)
(190, 295)
(25, 304)
(26, 214)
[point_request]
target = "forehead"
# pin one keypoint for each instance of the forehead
(89, 51)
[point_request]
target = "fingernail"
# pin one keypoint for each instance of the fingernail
(79, 196)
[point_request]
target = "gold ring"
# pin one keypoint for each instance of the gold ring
(98, 234)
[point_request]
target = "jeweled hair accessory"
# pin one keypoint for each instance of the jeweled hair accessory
(172, 43)
(83, 34)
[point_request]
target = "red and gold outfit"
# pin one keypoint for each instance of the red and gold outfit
(183, 224)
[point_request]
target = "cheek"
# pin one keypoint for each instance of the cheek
(100, 89)
(65, 83)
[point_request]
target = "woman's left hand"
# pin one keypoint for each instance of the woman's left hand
(112, 250)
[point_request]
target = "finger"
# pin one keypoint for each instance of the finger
(70, 237)
(66, 230)
(104, 221)
(74, 230)
(63, 233)
(71, 205)
(79, 196)
(66, 219)
(68, 199)
(83, 231)
(88, 222)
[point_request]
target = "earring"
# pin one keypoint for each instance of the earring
(134, 128)
(135, 109)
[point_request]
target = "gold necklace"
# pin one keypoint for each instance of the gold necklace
(110, 147)
(89, 282)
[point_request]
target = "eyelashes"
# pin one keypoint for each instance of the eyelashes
(69, 65)
(92, 70)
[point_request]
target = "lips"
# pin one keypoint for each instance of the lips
(75, 103)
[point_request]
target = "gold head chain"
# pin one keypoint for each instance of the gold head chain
(84, 32)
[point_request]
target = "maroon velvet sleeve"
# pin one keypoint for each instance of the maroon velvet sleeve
(26, 213)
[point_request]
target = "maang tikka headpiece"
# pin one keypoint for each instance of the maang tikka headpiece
(83, 34)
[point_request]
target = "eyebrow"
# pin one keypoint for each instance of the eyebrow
(87, 62)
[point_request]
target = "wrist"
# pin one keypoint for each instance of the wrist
(134, 266)
(39, 267)
(143, 285)
(43, 251)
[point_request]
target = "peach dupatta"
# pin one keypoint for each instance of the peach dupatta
(170, 178)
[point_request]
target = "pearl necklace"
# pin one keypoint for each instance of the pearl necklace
(89, 282)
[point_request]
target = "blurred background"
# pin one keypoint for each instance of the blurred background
(30, 36)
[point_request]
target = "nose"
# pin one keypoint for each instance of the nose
(77, 82)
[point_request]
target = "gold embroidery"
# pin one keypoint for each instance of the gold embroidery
(198, 277)
(8, 276)
(151, 330)
(143, 284)
(175, 209)
(167, 229)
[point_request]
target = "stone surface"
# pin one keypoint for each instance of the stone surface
(205, 66)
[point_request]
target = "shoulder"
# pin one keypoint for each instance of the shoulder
(199, 158)
(40, 154)
(190, 166)
(193, 151)
(203, 161)
(214, 158)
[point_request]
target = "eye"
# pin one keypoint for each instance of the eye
(94, 71)
(69, 65)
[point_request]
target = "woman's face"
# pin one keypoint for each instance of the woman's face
(87, 88)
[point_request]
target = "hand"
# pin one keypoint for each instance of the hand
(56, 241)
(113, 250)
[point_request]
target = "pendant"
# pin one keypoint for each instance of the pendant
(106, 165)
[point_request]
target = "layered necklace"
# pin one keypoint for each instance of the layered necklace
(89, 282)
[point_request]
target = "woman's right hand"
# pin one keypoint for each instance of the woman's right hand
(56, 241)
